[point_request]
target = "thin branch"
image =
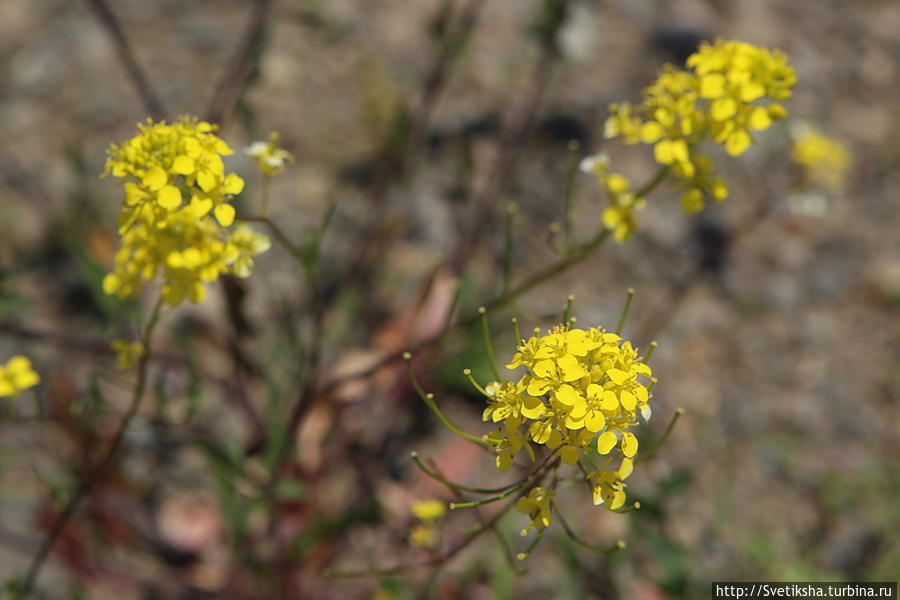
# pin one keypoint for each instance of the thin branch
(113, 28)
(228, 91)
(98, 472)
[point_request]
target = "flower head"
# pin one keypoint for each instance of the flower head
(428, 512)
(17, 375)
(582, 391)
(824, 160)
(619, 215)
(269, 158)
(176, 216)
(729, 90)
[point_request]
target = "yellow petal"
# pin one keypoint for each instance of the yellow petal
(651, 131)
(233, 184)
(569, 455)
(606, 442)
(567, 395)
(169, 197)
(154, 179)
(225, 214)
(206, 180)
(625, 468)
(760, 119)
(617, 499)
(594, 421)
(610, 400)
(538, 387)
(629, 444)
(712, 85)
(737, 142)
(184, 165)
(544, 368)
(617, 376)
(723, 108)
(627, 400)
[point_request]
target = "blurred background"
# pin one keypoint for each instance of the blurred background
(414, 124)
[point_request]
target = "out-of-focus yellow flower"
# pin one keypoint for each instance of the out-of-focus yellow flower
(698, 182)
(428, 512)
(825, 161)
(17, 375)
(269, 158)
(127, 353)
(177, 214)
(619, 215)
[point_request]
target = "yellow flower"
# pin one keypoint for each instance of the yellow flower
(17, 375)
(177, 212)
(127, 354)
(269, 158)
(581, 391)
(700, 183)
(608, 487)
(424, 534)
(537, 506)
(729, 90)
(825, 161)
(619, 216)
(429, 510)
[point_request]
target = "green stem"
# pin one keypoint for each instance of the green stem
(456, 486)
(662, 440)
(574, 149)
(653, 345)
(574, 537)
(625, 311)
(475, 384)
(651, 185)
(428, 399)
(488, 344)
(567, 313)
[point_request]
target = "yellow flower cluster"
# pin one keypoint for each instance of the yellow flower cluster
(269, 158)
(17, 375)
(729, 89)
(619, 215)
(582, 390)
(127, 354)
(824, 160)
(176, 215)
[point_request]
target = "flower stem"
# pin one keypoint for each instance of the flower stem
(625, 311)
(662, 440)
(428, 399)
(488, 344)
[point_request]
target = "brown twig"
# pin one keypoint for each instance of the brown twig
(111, 25)
(228, 91)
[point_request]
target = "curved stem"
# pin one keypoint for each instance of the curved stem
(662, 440)
(456, 486)
(428, 399)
